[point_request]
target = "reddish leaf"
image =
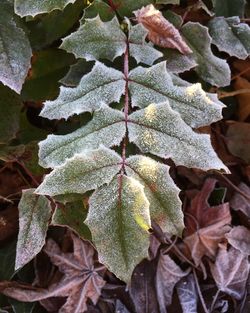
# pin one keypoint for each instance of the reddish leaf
(205, 226)
(239, 202)
(187, 294)
(230, 271)
(239, 238)
(80, 282)
(167, 275)
(160, 31)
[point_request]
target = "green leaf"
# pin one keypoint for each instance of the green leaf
(143, 52)
(47, 68)
(119, 221)
(228, 8)
(10, 107)
(32, 7)
(34, 214)
(178, 62)
(102, 84)
(160, 190)
(167, 2)
(7, 255)
(72, 215)
(99, 7)
(15, 50)
(154, 85)
(210, 68)
(126, 7)
(161, 131)
(21, 307)
(96, 40)
(99, 131)
(231, 36)
(83, 172)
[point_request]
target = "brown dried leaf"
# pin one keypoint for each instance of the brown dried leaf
(160, 31)
(240, 203)
(230, 271)
(80, 282)
(239, 238)
(205, 226)
(167, 275)
(187, 294)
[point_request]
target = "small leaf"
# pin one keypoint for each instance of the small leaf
(102, 84)
(239, 238)
(31, 7)
(228, 8)
(160, 190)
(15, 49)
(126, 7)
(231, 36)
(160, 130)
(101, 8)
(160, 31)
(83, 172)
(106, 122)
(230, 272)
(187, 294)
(34, 214)
(96, 40)
(154, 85)
(239, 202)
(119, 219)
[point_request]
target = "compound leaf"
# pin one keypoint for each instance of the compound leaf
(100, 130)
(154, 85)
(161, 131)
(119, 219)
(102, 84)
(81, 173)
(160, 190)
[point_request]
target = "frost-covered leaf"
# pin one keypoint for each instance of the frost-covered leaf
(102, 84)
(160, 190)
(119, 221)
(230, 272)
(239, 238)
(177, 62)
(228, 8)
(15, 50)
(160, 31)
(154, 85)
(210, 68)
(231, 36)
(239, 202)
(34, 214)
(101, 8)
(10, 106)
(96, 40)
(33, 7)
(107, 127)
(161, 131)
(81, 173)
(167, 2)
(143, 52)
(187, 294)
(167, 275)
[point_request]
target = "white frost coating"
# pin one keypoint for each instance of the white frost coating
(96, 40)
(231, 36)
(34, 214)
(34, 7)
(106, 128)
(161, 131)
(143, 52)
(119, 219)
(210, 68)
(15, 50)
(154, 85)
(83, 172)
(102, 84)
(160, 190)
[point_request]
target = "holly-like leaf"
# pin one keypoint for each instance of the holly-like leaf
(154, 85)
(15, 50)
(34, 214)
(167, 275)
(160, 190)
(101, 8)
(96, 40)
(31, 7)
(231, 36)
(187, 294)
(210, 68)
(102, 84)
(228, 8)
(230, 271)
(239, 238)
(119, 221)
(106, 122)
(80, 282)
(160, 31)
(126, 7)
(161, 131)
(83, 172)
